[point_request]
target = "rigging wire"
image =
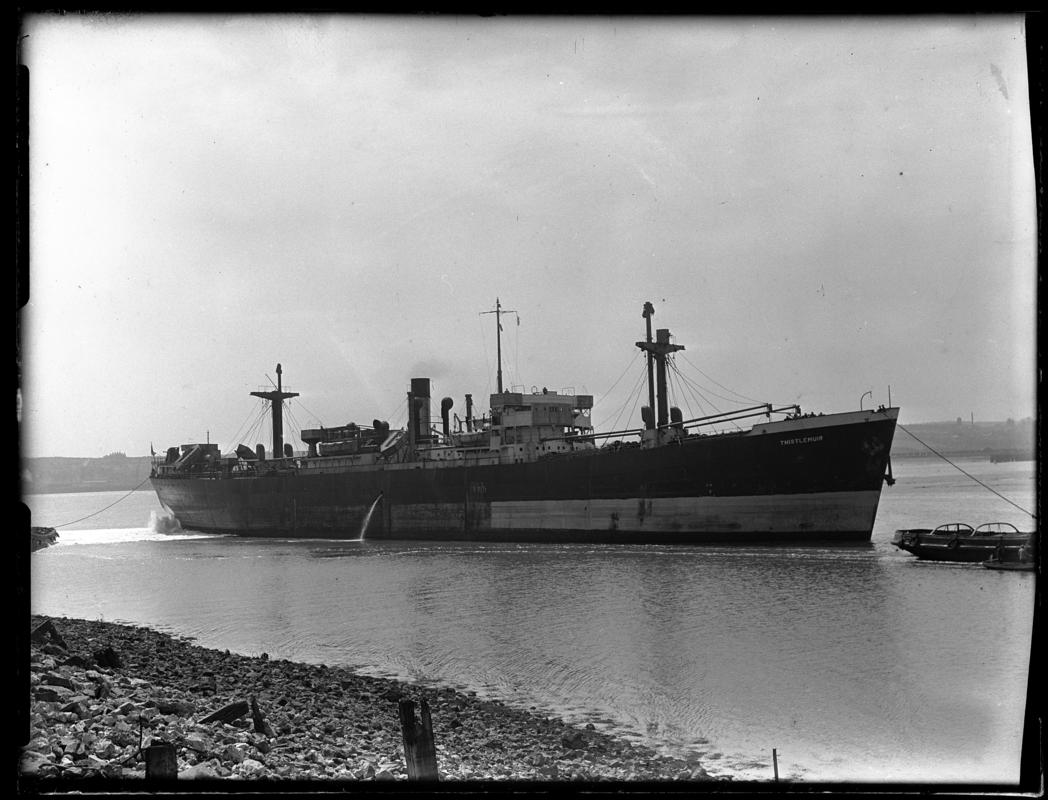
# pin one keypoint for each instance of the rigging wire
(715, 394)
(684, 397)
(516, 352)
(96, 513)
(636, 355)
(695, 388)
(294, 422)
(636, 401)
(634, 390)
(396, 412)
(240, 430)
(255, 430)
(721, 385)
(242, 435)
(310, 412)
(701, 400)
(484, 345)
(944, 458)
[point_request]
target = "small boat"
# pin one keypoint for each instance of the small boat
(1013, 566)
(957, 541)
(1024, 561)
(39, 538)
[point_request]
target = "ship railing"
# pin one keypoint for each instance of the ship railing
(765, 409)
(726, 416)
(768, 412)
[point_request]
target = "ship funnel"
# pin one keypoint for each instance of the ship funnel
(420, 392)
(469, 413)
(445, 409)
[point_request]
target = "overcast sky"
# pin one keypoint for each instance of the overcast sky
(815, 207)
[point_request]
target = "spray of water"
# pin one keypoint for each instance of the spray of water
(164, 522)
(367, 518)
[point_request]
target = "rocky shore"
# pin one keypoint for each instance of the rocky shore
(101, 693)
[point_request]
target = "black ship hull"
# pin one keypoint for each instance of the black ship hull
(815, 479)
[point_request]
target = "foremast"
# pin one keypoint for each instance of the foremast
(656, 430)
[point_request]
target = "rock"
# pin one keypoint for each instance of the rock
(203, 770)
(236, 753)
(108, 657)
(56, 679)
(181, 708)
(49, 694)
(106, 749)
(74, 706)
(197, 743)
(333, 724)
(263, 746)
(250, 768)
(573, 740)
(93, 762)
(365, 772)
(32, 761)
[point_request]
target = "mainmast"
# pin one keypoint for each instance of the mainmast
(498, 312)
(277, 400)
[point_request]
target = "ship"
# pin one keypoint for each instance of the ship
(534, 469)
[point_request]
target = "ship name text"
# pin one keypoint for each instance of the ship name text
(802, 439)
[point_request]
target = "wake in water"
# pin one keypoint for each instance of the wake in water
(164, 522)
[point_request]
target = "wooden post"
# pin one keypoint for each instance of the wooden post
(419, 751)
(161, 762)
(775, 762)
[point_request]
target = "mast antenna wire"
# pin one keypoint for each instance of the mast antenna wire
(636, 355)
(721, 385)
(96, 513)
(990, 488)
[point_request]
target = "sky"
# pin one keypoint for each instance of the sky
(817, 208)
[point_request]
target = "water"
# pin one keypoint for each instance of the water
(367, 518)
(857, 663)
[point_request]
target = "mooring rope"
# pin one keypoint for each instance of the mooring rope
(96, 513)
(944, 458)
